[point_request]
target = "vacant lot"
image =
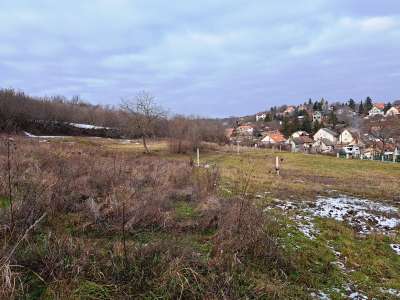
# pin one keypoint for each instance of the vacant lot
(98, 219)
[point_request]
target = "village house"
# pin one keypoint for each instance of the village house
(302, 107)
(289, 110)
(244, 130)
(393, 111)
(317, 116)
(326, 133)
(299, 133)
(261, 117)
(323, 145)
(301, 144)
(349, 136)
(377, 110)
(273, 137)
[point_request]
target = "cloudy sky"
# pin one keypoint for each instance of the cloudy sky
(209, 57)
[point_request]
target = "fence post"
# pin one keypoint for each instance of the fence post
(238, 150)
(198, 157)
(277, 165)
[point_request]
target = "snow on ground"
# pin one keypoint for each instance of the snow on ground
(45, 136)
(392, 292)
(363, 215)
(396, 248)
(87, 126)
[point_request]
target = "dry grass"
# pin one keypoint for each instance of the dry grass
(96, 203)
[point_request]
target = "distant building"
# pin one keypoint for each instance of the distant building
(349, 136)
(317, 116)
(244, 130)
(261, 117)
(302, 107)
(299, 134)
(326, 133)
(393, 111)
(290, 110)
(323, 145)
(377, 110)
(300, 144)
(273, 137)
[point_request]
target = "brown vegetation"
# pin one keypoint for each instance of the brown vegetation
(81, 214)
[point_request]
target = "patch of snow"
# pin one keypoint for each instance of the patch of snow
(396, 248)
(364, 215)
(45, 136)
(392, 292)
(320, 295)
(357, 296)
(87, 126)
(125, 142)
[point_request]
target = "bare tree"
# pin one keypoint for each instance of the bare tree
(386, 131)
(144, 113)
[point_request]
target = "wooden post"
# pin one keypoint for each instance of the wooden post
(238, 150)
(198, 157)
(347, 156)
(277, 165)
(337, 155)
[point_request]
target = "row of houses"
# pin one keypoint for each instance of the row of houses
(379, 110)
(348, 142)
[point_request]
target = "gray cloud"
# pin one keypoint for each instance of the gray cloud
(212, 58)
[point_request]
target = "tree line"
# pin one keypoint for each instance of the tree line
(137, 117)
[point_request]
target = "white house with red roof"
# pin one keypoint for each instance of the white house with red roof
(377, 110)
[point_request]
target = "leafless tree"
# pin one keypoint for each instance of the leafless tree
(144, 113)
(386, 131)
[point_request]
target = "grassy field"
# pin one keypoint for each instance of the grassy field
(190, 233)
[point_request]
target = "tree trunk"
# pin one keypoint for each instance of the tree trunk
(145, 144)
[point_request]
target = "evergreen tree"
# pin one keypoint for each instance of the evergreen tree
(352, 104)
(316, 126)
(387, 106)
(307, 124)
(295, 126)
(310, 102)
(333, 119)
(286, 127)
(361, 108)
(368, 104)
(321, 104)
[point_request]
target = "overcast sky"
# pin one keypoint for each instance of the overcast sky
(209, 57)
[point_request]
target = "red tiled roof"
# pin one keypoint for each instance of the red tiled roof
(380, 105)
(277, 136)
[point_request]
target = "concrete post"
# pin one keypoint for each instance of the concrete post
(198, 157)
(277, 165)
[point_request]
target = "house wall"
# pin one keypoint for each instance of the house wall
(321, 134)
(317, 116)
(376, 111)
(268, 140)
(392, 111)
(346, 138)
